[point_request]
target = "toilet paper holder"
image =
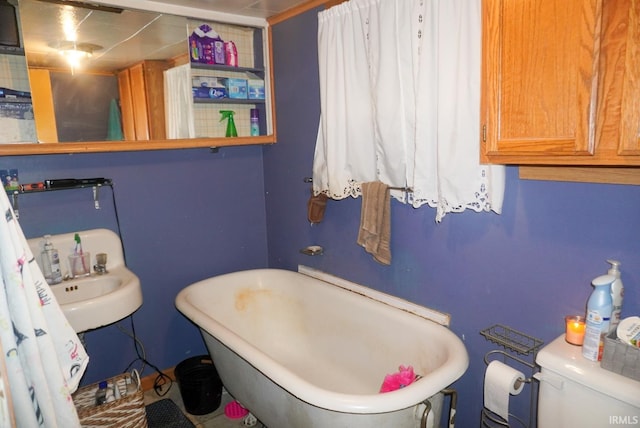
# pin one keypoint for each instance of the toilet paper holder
(521, 361)
(513, 342)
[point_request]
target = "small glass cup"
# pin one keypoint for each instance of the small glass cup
(80, 264)
(574, 329)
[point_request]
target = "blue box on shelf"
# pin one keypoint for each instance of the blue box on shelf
(14, 110)
(236, 88)
(206, 92)
(255, 87)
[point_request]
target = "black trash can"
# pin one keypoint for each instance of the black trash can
(200, 385)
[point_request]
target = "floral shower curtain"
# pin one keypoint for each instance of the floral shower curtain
(42, 356)
(400, 96)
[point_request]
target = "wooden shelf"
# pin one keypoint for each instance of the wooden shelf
(16, 100)
(227, 101)
(220, 67)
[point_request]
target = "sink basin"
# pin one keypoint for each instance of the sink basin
(96, 300)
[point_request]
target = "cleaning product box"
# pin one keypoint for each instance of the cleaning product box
(206, 46)
(236, 88)
(255, 87)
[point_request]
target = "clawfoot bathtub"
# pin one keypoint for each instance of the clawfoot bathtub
(299, 351)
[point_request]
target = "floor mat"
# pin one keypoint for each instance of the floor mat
(166, 414)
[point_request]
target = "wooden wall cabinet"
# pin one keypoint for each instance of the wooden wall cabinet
(142, 100)
(561, 82)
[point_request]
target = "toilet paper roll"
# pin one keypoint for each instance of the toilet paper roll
(501, 381)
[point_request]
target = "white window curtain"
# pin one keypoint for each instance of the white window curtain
(178, 102)
(400, 100)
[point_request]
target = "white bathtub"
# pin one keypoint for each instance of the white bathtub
(301, 352)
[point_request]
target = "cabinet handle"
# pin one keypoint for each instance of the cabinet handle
(484, 133)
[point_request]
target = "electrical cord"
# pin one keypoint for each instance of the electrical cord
(162, 379)
(115, 213)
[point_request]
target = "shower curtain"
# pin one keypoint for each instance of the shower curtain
(178, 102)
(42, 355)
(400, 100)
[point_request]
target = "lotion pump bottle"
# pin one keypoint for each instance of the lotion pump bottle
(599, 308)
(617, 293)
(51, 262)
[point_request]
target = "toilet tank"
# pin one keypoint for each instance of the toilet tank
(576, 392)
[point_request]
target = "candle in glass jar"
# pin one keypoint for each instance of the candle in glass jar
(575, 327)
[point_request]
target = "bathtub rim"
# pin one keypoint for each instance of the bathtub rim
(427, 386)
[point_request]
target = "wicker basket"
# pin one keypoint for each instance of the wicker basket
(128, 411)
(620, 358)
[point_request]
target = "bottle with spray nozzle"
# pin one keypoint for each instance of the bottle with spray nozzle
(231, 125)
(599, 308)
(617, 293)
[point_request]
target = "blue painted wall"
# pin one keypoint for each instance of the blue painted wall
(526, 268)
(185, 215)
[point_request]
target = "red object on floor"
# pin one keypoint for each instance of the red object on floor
(234, 410)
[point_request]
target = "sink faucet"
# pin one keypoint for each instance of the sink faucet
(101, 264)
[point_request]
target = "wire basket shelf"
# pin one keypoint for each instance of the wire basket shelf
(511, 339)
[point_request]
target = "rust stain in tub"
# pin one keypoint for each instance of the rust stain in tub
(249, 296)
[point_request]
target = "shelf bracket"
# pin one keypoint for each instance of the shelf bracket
(96, 199)
(14, 200)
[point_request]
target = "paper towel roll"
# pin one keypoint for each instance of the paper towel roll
(500, 381)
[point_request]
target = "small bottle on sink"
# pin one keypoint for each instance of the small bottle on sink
(51, 262)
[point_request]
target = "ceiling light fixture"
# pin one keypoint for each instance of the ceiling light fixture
(75, 52)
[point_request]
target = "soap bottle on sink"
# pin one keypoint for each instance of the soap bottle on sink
(51, 262)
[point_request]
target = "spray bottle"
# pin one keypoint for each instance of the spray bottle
(599, 308)
(254, 122)
(231, 125)
(617, 293)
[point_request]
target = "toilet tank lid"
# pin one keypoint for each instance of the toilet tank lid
(567, 361)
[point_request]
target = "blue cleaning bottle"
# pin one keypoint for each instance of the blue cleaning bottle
(599, 309)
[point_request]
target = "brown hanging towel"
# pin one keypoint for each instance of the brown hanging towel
(375, 221)
(316, 207)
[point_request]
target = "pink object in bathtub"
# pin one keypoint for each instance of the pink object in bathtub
(402, 378)
(234, 410)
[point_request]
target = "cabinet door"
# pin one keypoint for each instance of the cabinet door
(43, 107)
(126, 105)
(630, 104)
(139, 102)
(539, 84)
(153, 74)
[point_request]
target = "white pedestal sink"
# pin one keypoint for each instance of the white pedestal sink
(96, 300)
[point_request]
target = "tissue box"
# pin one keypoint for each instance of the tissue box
(207, 82)
(205, 92)
(620, 358)
(208, 87)
(236, 88)
(255, 88)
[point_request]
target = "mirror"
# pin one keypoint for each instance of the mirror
(116, 40)
(76, 56)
